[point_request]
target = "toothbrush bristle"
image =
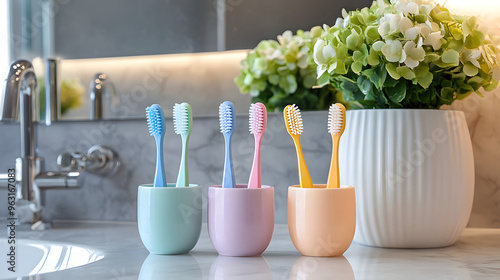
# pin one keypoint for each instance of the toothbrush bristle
(156, 122)
(294, 120)
(257, 120)
(226, 117)
(335, 119)
(182, 118)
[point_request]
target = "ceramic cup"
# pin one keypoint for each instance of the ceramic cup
(169, 218)
(321, 221)
(240, 220)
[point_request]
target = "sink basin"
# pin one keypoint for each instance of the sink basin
(37, 257)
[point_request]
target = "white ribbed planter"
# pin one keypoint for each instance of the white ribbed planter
(413, 171)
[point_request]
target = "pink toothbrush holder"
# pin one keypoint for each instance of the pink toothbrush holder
(240, 220)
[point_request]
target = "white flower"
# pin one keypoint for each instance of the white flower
(377, 46)
(406, 7)
(389, 24)
(414, 54)
(342, 22)
(339, 22)
(425, 9)
(302, 60)
(274, 54)
(286, 37)
(471, 56)
(412, 33)
(393, 51)
(322, 53)
(425, 28)
(405, 24)
(434, 40)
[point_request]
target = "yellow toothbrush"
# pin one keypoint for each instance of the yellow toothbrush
(336, 126)
(293, 121)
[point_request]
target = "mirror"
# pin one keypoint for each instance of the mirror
(153, 51)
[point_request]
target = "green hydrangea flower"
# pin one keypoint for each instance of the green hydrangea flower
(406, 54)
(278, 73)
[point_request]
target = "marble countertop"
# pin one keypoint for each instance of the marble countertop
(475, 256)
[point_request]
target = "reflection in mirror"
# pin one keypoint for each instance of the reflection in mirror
(203, 80)
(80, 32)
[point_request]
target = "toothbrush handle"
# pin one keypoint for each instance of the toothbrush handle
(254, 181)
(333, 175)
(228, 177)
(183, 177)
(304, 177)
(160, 170)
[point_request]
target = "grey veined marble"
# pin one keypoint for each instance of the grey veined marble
(114, 197)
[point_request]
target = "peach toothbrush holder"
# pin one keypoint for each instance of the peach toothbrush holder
(240, 219)
(321, 221)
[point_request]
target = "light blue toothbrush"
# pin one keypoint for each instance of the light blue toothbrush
(226, 121)
(183, 123)
(156, 123)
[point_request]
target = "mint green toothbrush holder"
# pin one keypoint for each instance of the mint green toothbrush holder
(169, 218)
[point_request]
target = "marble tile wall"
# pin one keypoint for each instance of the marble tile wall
(114, 197)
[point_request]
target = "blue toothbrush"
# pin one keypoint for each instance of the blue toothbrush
(226, 120)
(156, 123)
(183, 123)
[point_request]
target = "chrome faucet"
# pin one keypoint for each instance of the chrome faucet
(98, 87)
(20, 99)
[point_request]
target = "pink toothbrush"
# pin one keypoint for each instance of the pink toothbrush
(257, 122)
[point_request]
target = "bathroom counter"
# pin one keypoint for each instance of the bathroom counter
(475, 256)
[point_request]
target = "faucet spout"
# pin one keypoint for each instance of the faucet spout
(21, 90)
(20, 100)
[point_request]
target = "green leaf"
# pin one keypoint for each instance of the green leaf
(377, 75)
(398, 92)
(356, 67)
(405, 72)
(390, 82)
(274, 79)
(392, 70)
(288, 83)
(474, 40)
(309, 81)
(372, 33)
(430, 57)
(426, 80)
(456, 45)
(464, 95)
(421, 70)
(373, 58)
(325, 78)
(447, 94)
(451, 57)
(470, 70)
(491, 86)
(350, 90)
(364, 84)
(353, 41)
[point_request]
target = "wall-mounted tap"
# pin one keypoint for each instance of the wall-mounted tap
(98, 87)
(51, 101)
(20, 100)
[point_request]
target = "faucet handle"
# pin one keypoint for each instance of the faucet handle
(71, 161)
(98, 160)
